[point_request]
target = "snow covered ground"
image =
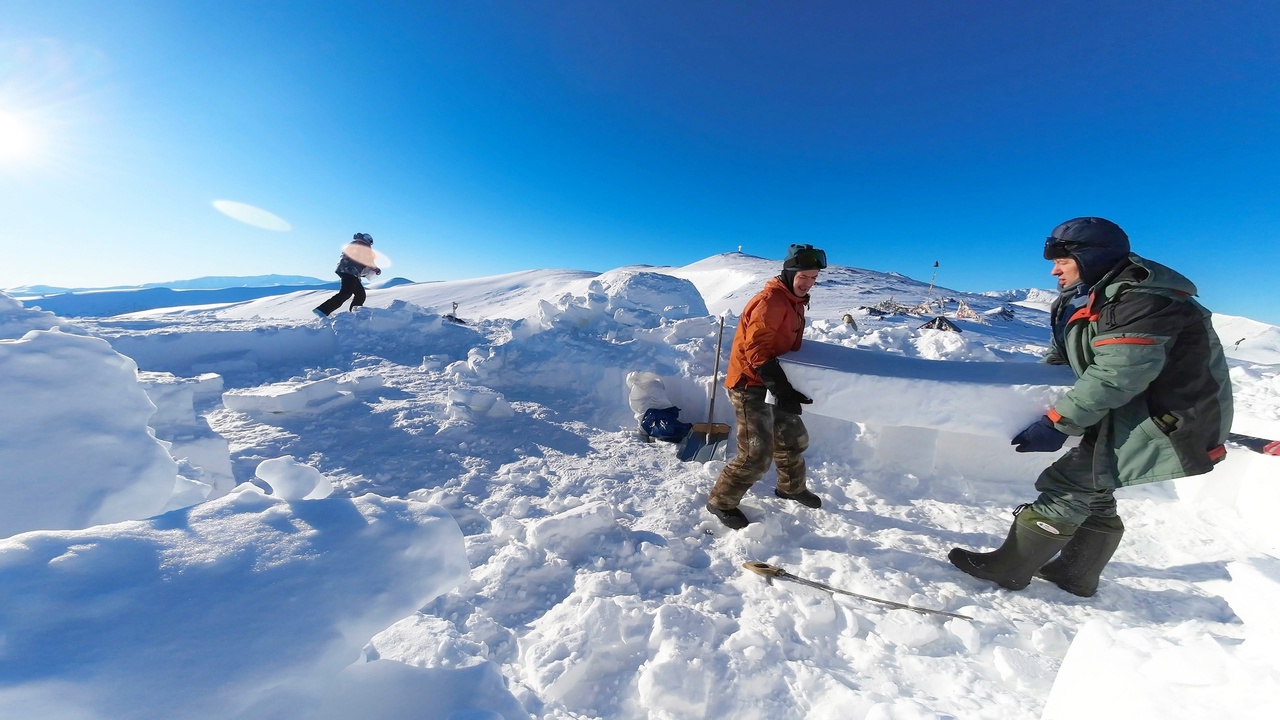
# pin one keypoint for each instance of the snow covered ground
(393, 515)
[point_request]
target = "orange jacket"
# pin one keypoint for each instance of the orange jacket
(772, 323)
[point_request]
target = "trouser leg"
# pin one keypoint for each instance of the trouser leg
(791, 439)
(755, 440)
(357, 293)
(328, 306)
(1069, 492)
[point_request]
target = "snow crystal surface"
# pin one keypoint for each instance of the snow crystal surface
(422, 509)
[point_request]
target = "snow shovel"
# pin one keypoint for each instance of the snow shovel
(706, 441)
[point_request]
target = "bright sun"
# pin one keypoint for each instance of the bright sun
(17, 140)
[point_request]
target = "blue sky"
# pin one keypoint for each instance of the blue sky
(475, 138)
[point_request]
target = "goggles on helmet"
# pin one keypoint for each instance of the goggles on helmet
(1055, 248)
(806, 257)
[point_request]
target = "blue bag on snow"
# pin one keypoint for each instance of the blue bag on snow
(664, 424)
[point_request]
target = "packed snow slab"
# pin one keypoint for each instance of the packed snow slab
(74, 438)
(1140, 672)
(301, 396)
(202, 454)
(215, 611)
(978, 398)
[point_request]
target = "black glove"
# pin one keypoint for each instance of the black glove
(788, 398)
(1040, 436)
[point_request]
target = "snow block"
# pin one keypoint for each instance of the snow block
(292, 480)
(76, 449)
(977, 398)
(575, 533)
(204, 455)
(299, 396)
(1157, 672)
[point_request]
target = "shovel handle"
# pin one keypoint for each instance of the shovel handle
(764, 568)
(715, 376)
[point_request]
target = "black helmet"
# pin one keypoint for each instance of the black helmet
(363, 238)
(804, 257)
(1094, 243)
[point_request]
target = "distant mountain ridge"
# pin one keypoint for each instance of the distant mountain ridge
(1035, 295)
(110, 302)
(209, 282)
(107, 302)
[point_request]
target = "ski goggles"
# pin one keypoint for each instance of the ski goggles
(1055, 248)
(363, 236)
(807, 257)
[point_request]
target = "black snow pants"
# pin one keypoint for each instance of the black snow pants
(351, 288)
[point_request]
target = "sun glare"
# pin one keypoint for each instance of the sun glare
(18, 140)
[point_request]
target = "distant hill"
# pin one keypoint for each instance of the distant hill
(109, 302)
(211, 282)
(121, 299)
(214, 282)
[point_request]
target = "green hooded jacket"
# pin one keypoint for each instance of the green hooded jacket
(1152, 393)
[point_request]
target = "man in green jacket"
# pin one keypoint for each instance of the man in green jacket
(1151, 401)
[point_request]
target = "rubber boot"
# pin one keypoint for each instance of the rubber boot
(1080, 563)
(1032, 540)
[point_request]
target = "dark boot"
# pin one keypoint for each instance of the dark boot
(1032, 540)
(1078, 566)
(804, 497)
(733, 518)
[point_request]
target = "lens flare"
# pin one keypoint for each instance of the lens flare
(250, 215)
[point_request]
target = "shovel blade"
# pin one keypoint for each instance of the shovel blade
(689, 447)
(706, 442)
(711, 451)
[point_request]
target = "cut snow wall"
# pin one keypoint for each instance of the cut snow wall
(104, 464)
(975, 398)
(223, 351)
(922, 415)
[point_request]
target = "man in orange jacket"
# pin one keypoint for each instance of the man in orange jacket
(767, 407)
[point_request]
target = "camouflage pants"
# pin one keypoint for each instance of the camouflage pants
(1069, 492)
(765, 435)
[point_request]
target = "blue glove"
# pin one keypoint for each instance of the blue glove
(1040, 436)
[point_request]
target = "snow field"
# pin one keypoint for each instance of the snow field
(597, 585)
